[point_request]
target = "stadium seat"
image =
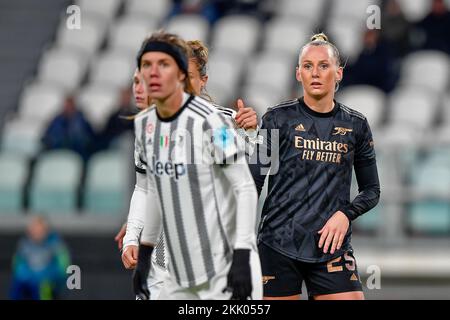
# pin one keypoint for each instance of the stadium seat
(346, 34)
(22, 136)
(260, 98)
(415, 107)
(86, 40)
(286, 35)
(224, 74)
(368, 100)
(113, 69)
(107, 9)
(13, 170)
(426, 69)
(40, 102)
(429, 217)
(415, 10)
(128, 33)
(189, 27)
(55, 183)
(236, 34)
(350, 9)
(282, 74)
(106, 184)
(97, 102)
(62, 68)
(310, 11)
(155, 10)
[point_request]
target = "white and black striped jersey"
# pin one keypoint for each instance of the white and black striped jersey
(159, 256)
(182, 158)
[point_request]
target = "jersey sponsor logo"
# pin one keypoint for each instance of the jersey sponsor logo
(169, 168)
(150, 128)
(300, 127)
(319, 150)
(341, 131)
(266, 279)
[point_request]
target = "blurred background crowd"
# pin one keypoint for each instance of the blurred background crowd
(66, 147)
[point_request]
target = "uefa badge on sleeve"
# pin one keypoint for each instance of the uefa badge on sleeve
(222, 138)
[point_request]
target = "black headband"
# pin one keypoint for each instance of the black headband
(173, 51)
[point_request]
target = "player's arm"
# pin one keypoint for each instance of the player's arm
(135, 222)
(149, 237)
(366, 175)
(228, 153)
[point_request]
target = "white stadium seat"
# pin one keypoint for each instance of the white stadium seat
(286, 35)
(260, 98)
(347, 35)
(105, 8)
(63, 68)
(311, 11)
(367, 100)
(155, 10)
(113, 69)
(237, 34)
(427, 69)
(97, 103)
(189, 27)
(40, 102)
(22, 136)
(415, 10)
(350, 9)
(129, 32)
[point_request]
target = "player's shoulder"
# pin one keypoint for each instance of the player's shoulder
(292, 103)
(225, 110)
(144, 113)
(352, 113)
(201, 105)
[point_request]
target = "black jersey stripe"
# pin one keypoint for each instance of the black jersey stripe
(140, 170)
(196, 111)
(205, 104)
(201, 107)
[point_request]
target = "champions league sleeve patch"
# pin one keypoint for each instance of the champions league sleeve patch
(223, 138)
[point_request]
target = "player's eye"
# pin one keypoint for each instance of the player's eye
(145, 64)
(307, 66)
(324, 66)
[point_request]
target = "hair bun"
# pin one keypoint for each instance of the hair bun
(319, 37)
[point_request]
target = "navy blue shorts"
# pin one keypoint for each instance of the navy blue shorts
(283, 276)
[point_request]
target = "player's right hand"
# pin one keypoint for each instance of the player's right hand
(239, 280)
(130, 256)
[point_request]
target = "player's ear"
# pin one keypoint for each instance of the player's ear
(297, 74)
(339, 74)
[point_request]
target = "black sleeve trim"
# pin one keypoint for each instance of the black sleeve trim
(140, 170)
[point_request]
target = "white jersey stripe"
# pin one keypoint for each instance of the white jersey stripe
(196, 195)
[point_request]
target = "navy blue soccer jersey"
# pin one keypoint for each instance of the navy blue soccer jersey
(311, 160)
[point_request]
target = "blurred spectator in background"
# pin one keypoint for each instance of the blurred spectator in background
(375, 64)
(212, 10)
(119, 121)
(434, 29)
(39, 264)
(395, 27)
(70, 130)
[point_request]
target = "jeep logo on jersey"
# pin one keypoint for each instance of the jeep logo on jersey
(173, 170)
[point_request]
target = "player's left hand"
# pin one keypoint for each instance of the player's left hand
(119, 236)
(246, 117)
(333, 232)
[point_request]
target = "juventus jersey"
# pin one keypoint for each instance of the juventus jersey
(311, 175)
(194, 198)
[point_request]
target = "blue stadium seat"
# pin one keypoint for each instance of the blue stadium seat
(106, 184)
(55, 183)
(13, 173)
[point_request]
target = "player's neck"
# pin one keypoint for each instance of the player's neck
(170, 105)
(322, 105)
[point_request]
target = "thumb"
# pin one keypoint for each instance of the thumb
(240, 104)
(134, 253)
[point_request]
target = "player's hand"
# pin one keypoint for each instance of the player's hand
(140, 274)
(119, 236)
(333, 232)
(246, 117)
(130, 257)
(239, 277)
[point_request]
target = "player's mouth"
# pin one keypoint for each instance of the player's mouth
(154, 86)
(316, 84)
(139, 100)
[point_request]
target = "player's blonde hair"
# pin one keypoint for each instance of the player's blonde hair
(200, 55)
(321, 39)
